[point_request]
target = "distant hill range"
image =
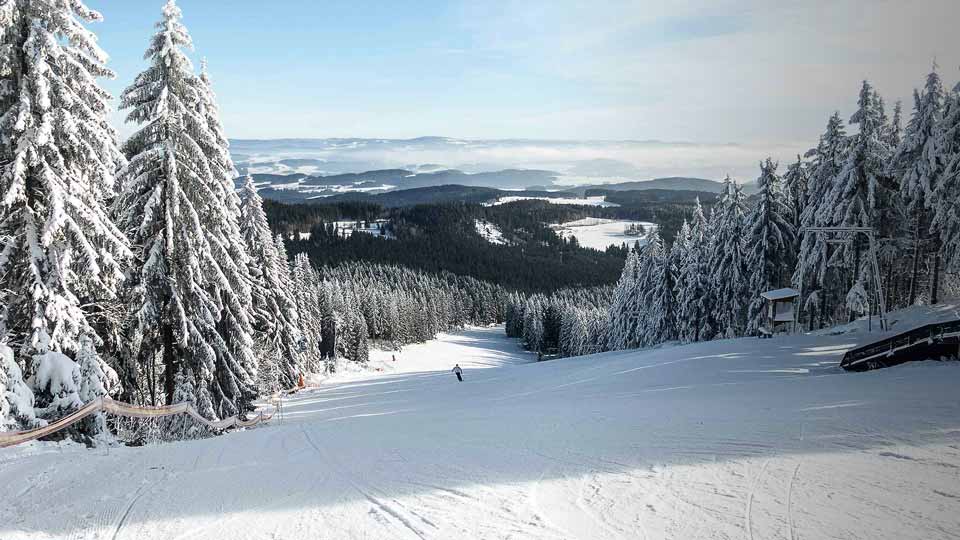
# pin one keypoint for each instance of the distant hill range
(484, 195)
(451, 185)
(676, 183)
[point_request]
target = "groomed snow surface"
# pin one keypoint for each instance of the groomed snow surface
(748, 438)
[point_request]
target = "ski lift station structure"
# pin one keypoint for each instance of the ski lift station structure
(846, 235)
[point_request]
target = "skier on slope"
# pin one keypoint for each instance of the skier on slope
(459, 372)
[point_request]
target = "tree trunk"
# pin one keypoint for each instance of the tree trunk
(812, 315)
(152, 377)
(169, 363)
(915, 273)
(935, 281)
(892, 286)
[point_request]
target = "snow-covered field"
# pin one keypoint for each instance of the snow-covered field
(327, 190)
(598, 233)
(588, 201)
(489, 232)
(744, 439)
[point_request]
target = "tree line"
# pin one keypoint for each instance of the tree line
(138, 270)
(900, 181)
(443, 237)
(346, 307)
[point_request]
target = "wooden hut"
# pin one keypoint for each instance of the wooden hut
(780, 311)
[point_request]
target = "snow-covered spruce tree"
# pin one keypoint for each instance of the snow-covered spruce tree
(284, 270)
(813, 273)
(350, 329)
(190, 296)
(894, 132)
(514, 316)
(624, 328)
(771, 241)
(573, 333)
(16, 399)
(392, 322)
(916, 164)
(96, 380)
(533, 324)
(796, 182)
(275, 318)
(728, 261)
(679, 253)
(324, 329)
(217, 150)
(60, 254)
(216, 147)
(360, 347)
(694, 292)
(863, 195)
(10, 28)
(661, 321)
(946, 191)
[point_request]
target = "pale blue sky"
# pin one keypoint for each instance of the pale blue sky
(702, 71)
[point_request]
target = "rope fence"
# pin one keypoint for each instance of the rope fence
(119, 408)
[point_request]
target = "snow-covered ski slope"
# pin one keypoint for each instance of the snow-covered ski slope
(745, 439)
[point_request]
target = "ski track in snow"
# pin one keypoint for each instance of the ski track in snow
(753, 489)
(126, 513)
(793, 480)
(702, 441)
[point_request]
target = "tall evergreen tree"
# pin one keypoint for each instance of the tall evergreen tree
(360, 347)
(624, 327)
(276, 313)
(694, 298)
(679, 252)
(10, 30)
(797, 183)
(216, 148)
(662, 303)
(772, 241)
(915, 163)
(946, 192)
(315, 307)
(190, 300)
(728, 261)
(813, 270)
(863, 195)
(60, 254)
(895, 131)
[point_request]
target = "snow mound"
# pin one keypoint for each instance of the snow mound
(900, 321)
(57, 377)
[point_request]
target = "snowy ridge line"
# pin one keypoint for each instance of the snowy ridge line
(119, 408)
